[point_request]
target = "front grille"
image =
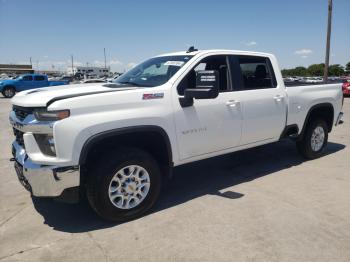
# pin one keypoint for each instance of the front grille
(19, 136)
(22, 112)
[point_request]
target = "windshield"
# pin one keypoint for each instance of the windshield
(153, 72)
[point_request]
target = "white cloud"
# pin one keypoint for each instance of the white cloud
(304, 56)
(251, 43)
(303, 52)
(115, 62)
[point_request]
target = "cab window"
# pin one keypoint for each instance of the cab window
(256, 73)
(218, 63)
(39, 78)
(27, 78)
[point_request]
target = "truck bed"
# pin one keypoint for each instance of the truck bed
(303, 97)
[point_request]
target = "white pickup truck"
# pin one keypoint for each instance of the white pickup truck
(118, 141)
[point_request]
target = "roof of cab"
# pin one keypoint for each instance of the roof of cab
(201, 52)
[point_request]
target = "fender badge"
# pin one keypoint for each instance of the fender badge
(152, 96)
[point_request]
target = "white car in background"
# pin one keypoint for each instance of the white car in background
(313, 80)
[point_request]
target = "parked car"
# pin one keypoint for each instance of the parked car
(4, 76)
(9, 87)
(346, 87)
(66, 78)
(313, 80)
(119, 141)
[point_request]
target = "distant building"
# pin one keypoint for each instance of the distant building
(89, 71)
(11, 69)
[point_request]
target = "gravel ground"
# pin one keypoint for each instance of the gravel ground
(263, 204)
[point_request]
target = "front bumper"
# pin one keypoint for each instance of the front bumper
(43, 180)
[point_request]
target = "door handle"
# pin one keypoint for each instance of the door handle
(232, 103)
(278, 98)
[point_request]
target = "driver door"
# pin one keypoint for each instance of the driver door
(210, 125)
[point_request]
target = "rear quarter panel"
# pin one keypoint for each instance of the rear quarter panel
(303, 98)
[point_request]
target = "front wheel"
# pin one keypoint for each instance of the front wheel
(124, 185)
(314, 140)
(8, 92)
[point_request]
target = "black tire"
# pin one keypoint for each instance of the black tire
(304, 144)
(101, 174)
(8, 91)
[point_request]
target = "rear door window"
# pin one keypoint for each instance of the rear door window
(39, 78)
(256, 73)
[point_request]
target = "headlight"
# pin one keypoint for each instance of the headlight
(43, 115)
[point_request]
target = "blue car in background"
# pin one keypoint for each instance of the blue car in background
(9, 87)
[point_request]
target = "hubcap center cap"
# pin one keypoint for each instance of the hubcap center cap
(130, 187)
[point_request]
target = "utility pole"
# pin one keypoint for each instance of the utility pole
(328, 44)
(30, 61)
(104, 52)
(72, 65)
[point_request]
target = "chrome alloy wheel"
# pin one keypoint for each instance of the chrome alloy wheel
(317, 138)
(129, 187)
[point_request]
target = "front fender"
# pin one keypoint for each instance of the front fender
(93, 140)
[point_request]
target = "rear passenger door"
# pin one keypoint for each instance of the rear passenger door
(263, 102)
(40, 81)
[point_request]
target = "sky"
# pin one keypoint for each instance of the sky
(50, 31)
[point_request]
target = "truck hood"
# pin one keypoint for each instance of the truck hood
(40, 97)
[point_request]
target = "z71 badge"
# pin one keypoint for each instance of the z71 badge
(152, 96)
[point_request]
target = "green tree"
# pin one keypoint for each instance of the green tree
(316, 70)
(347, 68)
(336, 70)
(300, 71)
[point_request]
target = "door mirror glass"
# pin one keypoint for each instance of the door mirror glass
(207, 85)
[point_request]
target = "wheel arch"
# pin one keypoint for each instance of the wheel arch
(7, 86)
(153, 139)
(322, 110)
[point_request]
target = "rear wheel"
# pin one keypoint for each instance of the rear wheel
(315, 139)
(8, 91)
(124, 185)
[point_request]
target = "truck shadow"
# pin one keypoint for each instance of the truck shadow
(190, 181)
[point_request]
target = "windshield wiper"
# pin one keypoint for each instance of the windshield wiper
(128, 82)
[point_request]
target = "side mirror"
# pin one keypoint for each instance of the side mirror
(207, 87)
